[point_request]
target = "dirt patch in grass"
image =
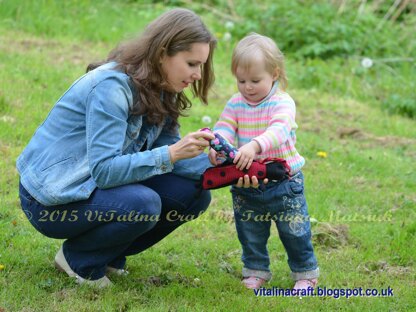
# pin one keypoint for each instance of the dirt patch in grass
(330, 235)
(346, 121)
(167, 279)
(371, 140)
(383, 266)
(65, 294)
(56, 51)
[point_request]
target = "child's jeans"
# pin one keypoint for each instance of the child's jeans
(283, 202)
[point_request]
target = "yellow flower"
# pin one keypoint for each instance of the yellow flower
(2, 267)
(322, 154)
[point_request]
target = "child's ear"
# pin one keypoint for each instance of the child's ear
(275, 74)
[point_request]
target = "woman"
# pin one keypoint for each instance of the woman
(107, 169)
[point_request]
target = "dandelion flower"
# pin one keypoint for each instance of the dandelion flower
(367, 62)
(229, 25)
(206, 119)
(2, 266)
(227, 36)
(322, 154)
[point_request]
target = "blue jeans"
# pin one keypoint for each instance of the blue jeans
(284, 203)
(117, 222)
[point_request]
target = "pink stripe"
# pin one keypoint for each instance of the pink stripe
(284, 149)
(250, 115)
(237, 99)
(228, 112)
(223, 118)
(225, 124)
(253, 119)
(253, 133)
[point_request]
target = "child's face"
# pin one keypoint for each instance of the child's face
(255, 83)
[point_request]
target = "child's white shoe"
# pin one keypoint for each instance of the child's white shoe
(305, 284)
(253, 282)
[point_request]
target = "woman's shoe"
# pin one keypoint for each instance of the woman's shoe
(253, 282)
(99, 283)
(62, 265)
(119, 272)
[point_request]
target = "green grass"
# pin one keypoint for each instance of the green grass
(362, 195)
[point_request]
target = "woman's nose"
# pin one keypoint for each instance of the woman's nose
(197, 74)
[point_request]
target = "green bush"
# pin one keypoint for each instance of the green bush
(397, 103)
(324, 43)
(317, 30)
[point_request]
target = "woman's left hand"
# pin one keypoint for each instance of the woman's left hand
(246, 183)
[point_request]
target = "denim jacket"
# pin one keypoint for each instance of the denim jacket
(90, 139)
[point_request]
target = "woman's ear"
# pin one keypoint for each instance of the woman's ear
(162, 55)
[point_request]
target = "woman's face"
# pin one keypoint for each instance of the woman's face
(184, 68)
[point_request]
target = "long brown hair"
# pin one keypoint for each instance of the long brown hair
(170, 33)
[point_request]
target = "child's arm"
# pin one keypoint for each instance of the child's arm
(227, 123)
(226, 127)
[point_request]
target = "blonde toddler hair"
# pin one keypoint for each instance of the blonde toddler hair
(255, 46)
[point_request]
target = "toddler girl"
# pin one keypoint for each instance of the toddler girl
(262, 119)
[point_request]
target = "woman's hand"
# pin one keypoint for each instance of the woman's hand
(245, 182)
(190, 145)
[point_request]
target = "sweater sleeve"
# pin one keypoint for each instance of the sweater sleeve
(227, 124)
(282, 121)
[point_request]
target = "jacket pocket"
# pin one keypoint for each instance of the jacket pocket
(134, 125)
(67, 160)
(133, 131)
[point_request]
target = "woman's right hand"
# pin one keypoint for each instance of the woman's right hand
(190, 145)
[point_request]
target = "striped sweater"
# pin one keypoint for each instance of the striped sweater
(270, 122)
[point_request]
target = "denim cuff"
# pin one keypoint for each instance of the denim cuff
(162, 157)
(305, 275)
(266, 275)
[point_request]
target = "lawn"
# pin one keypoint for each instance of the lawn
(360, 181)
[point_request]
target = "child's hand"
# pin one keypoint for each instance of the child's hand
(246, 154)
